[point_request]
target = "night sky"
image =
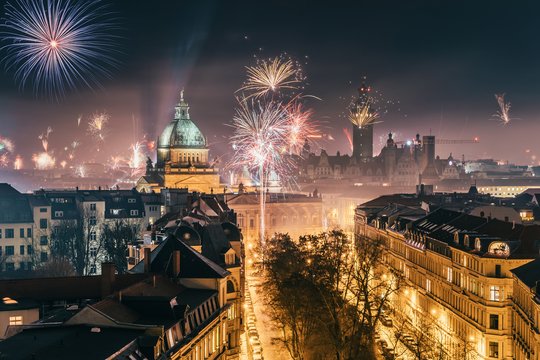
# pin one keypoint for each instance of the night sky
(438, 65)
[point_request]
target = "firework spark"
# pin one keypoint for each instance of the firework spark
(4, 160)
(503, 115)
(58, 44)
(270, 76)
(43, 161)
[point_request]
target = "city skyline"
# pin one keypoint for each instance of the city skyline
(437, 78)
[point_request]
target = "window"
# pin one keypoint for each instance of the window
(494, 293)
(92, 269)
(21, 249)
(494, 321)
(22, 264)
(29, 250)
(93, 207)
(29, 232)
(449, 274)
(10, 250)
(131, 201)
(93, 236)
(42, 210)
(428, 285)
(15, 320)
(0, 233)
(29, 265)
(44, 256)
(43, 240)
(134, 212)
(497, 270)
(493, 349)
(93, 251)
(21, 233)
(42, 223)
(92, 221)
(59, 214)
(10, 233)
(10, 266)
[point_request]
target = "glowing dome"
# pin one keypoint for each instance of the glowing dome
(181, 132)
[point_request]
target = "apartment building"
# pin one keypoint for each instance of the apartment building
(459, 272)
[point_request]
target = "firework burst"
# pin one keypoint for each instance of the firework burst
(18, 163)
(300, 126)
(260, 133)
(43, 161)
(136, 161)
(364, 114)
(97, 126)
(271, 76)
(58, 44)
(503, 115)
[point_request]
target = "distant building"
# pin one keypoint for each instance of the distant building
(182, 158)
(295, 214)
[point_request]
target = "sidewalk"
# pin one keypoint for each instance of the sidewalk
(271, 349)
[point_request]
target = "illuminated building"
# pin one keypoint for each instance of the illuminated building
(459, 269)
(295, 214)
(182, 158)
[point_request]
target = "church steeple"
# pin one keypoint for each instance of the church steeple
(182, 108)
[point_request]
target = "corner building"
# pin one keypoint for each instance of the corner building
(461, 275)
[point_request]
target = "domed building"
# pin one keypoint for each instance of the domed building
(182, 157)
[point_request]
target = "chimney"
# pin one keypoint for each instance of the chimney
(146, 259)
(176, 263)
(107, 278)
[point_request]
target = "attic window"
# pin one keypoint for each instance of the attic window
(477, 244)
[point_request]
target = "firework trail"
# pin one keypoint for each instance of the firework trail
(18, 164)
(349, 138)
(56, 45)
(271, 76)
(503, 115)
(44, 137)
(136, 161)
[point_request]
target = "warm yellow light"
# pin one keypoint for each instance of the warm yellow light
(433, 311)
(54, 44)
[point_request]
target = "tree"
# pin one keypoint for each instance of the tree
(289, 294)
(76, 241)
(56, 267)
(348, 286)
(116, 236)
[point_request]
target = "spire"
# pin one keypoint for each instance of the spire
(182, 108)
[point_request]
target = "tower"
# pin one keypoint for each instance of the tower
(362, 135)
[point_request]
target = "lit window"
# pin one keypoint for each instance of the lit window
(494, 293)
(493, 349)
(428, 285)
(15, 320)
(449, 275)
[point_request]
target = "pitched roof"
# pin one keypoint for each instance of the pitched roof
(529, 273)
(192, 264)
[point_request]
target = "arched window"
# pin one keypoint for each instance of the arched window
(230, 287)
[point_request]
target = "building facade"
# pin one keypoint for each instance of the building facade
(458, 270)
